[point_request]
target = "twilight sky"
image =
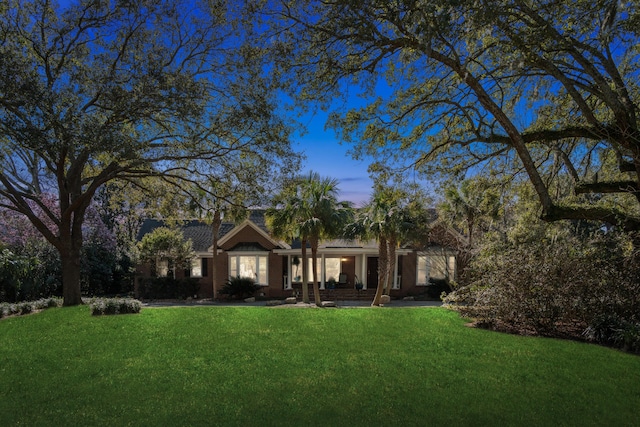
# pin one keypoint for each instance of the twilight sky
(328, 157)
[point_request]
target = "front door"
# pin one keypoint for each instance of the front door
(372, 272)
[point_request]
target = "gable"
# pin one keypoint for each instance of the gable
(248, 232)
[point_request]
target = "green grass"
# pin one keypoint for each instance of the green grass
(262, 366)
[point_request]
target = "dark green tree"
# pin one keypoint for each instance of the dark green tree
(166, 244)
(548, 89)
(103, 91)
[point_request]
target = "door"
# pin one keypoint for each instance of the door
(372, 272)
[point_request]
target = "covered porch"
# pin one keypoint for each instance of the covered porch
(339, 268)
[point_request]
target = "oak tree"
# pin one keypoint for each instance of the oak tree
(546, 89)
(103, 91)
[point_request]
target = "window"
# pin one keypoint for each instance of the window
(424, 270)
(196, 267)
(252, 266)
(205, 267)
(162, 268)
(397, 283)
(331, 268)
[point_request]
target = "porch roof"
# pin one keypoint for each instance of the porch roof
(340, 251)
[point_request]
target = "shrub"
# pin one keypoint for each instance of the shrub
(168, 288)
(26, 307)
(559, 289)
(239, 287)
(609, 329)
(44, 303)
(436, 287)
(109, 306)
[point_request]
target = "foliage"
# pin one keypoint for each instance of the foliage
(108, 306)
(27, 307)
(308, 208)
(390, 217)
(166, 244)
(29, 273)
(239, 287)
(612, 330)
(547, 90)
(242, 357)
(125, 91)
(471, 206)
(557, 288)
(168, 288)
(104, 269)
(13, 271)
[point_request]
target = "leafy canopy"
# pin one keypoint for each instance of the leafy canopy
(544, 89)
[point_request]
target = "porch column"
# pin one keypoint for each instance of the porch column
(363, 271)
(395, 284)
(322, 271)
(289, 272)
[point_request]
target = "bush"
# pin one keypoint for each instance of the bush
(559, 289)
(27, 307)
(168, 288)
(109, 306)
(436, 287)
(611, 330)
(239, 287)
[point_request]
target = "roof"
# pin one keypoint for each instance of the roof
(201, 235)
(199, 232)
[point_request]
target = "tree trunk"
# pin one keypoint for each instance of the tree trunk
(383, 266)
(305, 273)
(215, 228)
(314, 269)
(70, 248)
(391, 253)
(71, 292)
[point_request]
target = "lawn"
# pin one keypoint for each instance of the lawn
(270, 366)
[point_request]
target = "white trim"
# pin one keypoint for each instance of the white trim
(340, 251)
(253, 225)
(396, 282)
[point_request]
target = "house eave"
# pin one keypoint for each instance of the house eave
(340, 251)
(257, 229)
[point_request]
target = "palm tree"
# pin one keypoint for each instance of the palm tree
(470, 203)
(386, 219)
(311, 211)
(283, 219)
(324, 217)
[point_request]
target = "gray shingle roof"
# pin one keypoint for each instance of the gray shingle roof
(200, 232)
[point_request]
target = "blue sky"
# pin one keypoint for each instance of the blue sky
(327, 156)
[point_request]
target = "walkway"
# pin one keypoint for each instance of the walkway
(343, 304)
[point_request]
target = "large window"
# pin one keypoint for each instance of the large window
(332, 269)
(252, 266)
(424, 270)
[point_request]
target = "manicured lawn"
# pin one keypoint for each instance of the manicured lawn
(265, 366)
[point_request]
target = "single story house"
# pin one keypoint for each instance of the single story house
(248, 250)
